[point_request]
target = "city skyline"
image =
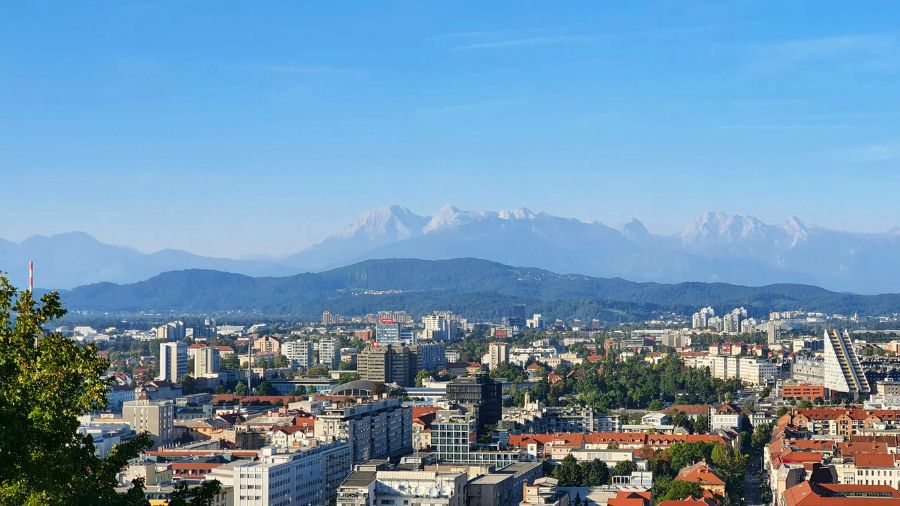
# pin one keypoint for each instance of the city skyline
(171, 126)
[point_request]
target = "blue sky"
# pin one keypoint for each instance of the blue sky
(229, 128)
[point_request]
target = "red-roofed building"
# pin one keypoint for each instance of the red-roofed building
(702, 474)
(821, 494)
(631, 498)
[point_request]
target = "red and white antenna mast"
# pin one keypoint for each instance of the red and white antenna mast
(31, 276)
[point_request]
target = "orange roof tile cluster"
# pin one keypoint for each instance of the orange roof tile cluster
(631, 498)
(700, 473)
(813, 494)
(854, 414)
(875, 460)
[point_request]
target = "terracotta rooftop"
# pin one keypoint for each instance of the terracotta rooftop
(700, 473)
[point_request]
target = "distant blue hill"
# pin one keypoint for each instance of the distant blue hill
(476, 288)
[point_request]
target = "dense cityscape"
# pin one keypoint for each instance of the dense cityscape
(468, 253)
(396, 408)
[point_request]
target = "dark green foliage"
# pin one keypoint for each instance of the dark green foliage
(624, 468)
(568, 473)
(675, 490)
(48, 381)
(634, 384)
(594, 473)
(512, 372)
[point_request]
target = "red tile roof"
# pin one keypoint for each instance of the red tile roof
(700, 473)
(812, 494)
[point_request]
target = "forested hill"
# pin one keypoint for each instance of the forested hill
(477, 288)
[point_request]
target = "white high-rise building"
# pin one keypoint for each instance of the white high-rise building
(172, 331)
(537, 322)
(330, 351)
(206, 361)
(843, 371)
(700, 319)
(498, 354)
(300, 353)
(172, 361)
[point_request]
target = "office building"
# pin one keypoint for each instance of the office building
(454, 438)
(378, 429)
(430, 356)
(300, 353)
(387, 332)
(388, 364)
(843, 372)
(517, 316)
(172, 361)
(479, 395)
(206, 361)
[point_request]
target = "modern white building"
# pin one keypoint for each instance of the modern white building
(308, 476)
(403, 488)
(843, 371)
(173, 359)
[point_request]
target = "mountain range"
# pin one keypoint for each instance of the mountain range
(716, 247)
(473, 287)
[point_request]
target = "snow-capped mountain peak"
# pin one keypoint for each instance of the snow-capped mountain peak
(395, 222)
(522, 213)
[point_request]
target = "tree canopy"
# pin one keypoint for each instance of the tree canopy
(48, 382)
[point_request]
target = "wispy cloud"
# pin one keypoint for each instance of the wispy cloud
(551, 40)
(547, 37)
(873, 51)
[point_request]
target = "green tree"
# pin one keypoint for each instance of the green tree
(281, 362)
(421, 376)
(678, 490)
(240, 389)
(594, 473)
(202, 495)
(264, 388)
(701, 424)
(624, 468)
(684, 454)
(568, 473)
(48, 382)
